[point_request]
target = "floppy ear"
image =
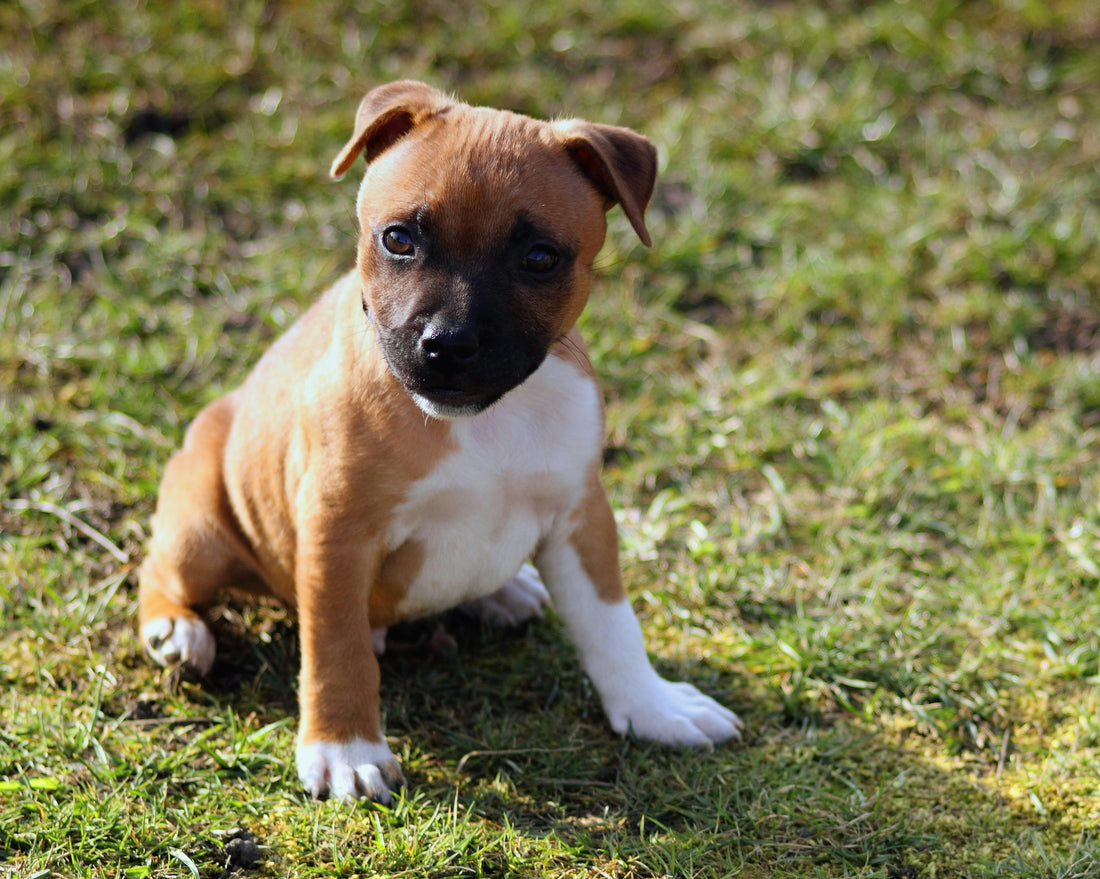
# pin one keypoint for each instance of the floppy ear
(385, 115)
(621, 163)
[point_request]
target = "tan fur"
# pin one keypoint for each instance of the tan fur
(287, 485)
(596, 541)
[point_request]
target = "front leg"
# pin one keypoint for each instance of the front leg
(341, 750)
(581, 570)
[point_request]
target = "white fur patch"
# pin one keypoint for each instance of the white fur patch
(349, 770)
(636, 699)
(440, 411)
(181, 641)
(516, 468)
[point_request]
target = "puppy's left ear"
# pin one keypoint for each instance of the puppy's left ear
(386, 115)
(621, 163)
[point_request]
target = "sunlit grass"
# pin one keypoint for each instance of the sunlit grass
(854, 412)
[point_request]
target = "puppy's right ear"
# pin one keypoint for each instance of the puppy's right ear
(385, 115)
(620, 163)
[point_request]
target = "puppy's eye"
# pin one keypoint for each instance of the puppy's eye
(540, 260)
(398, 241)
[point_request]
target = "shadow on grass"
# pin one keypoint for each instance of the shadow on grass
(508, 729)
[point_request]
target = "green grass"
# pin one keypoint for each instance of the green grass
(854, 425)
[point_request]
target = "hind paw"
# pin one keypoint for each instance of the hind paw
(520, 599)
(181, 641)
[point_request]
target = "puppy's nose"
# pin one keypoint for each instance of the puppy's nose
(445, 348)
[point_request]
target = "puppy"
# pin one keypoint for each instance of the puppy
(427, 427)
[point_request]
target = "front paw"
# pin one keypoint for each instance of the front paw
(350, 770)
(673, 714)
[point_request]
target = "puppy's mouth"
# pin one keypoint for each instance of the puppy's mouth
(449, 400)
(458, 396)
(449, 403)
(449, 378)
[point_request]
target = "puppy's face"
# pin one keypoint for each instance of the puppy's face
(478, 234)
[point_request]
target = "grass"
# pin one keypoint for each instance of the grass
(853, 429)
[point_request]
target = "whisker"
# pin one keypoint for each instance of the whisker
(575, 351)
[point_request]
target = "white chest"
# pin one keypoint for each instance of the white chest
(518, 468)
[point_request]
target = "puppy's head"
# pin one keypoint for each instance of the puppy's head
(478, 230)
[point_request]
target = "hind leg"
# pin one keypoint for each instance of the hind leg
(520, 599)
(195, 549)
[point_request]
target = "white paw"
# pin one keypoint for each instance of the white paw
(180, 641)
(349, 770)
(520, 599)
(673, 714)
(378, 640)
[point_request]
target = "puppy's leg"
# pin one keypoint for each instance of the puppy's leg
(581, 570)
(520, 599)
(341, 750)
(194, 548)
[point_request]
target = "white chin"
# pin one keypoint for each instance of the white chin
(442, 411)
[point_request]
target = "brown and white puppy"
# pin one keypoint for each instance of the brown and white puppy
(428, 426)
